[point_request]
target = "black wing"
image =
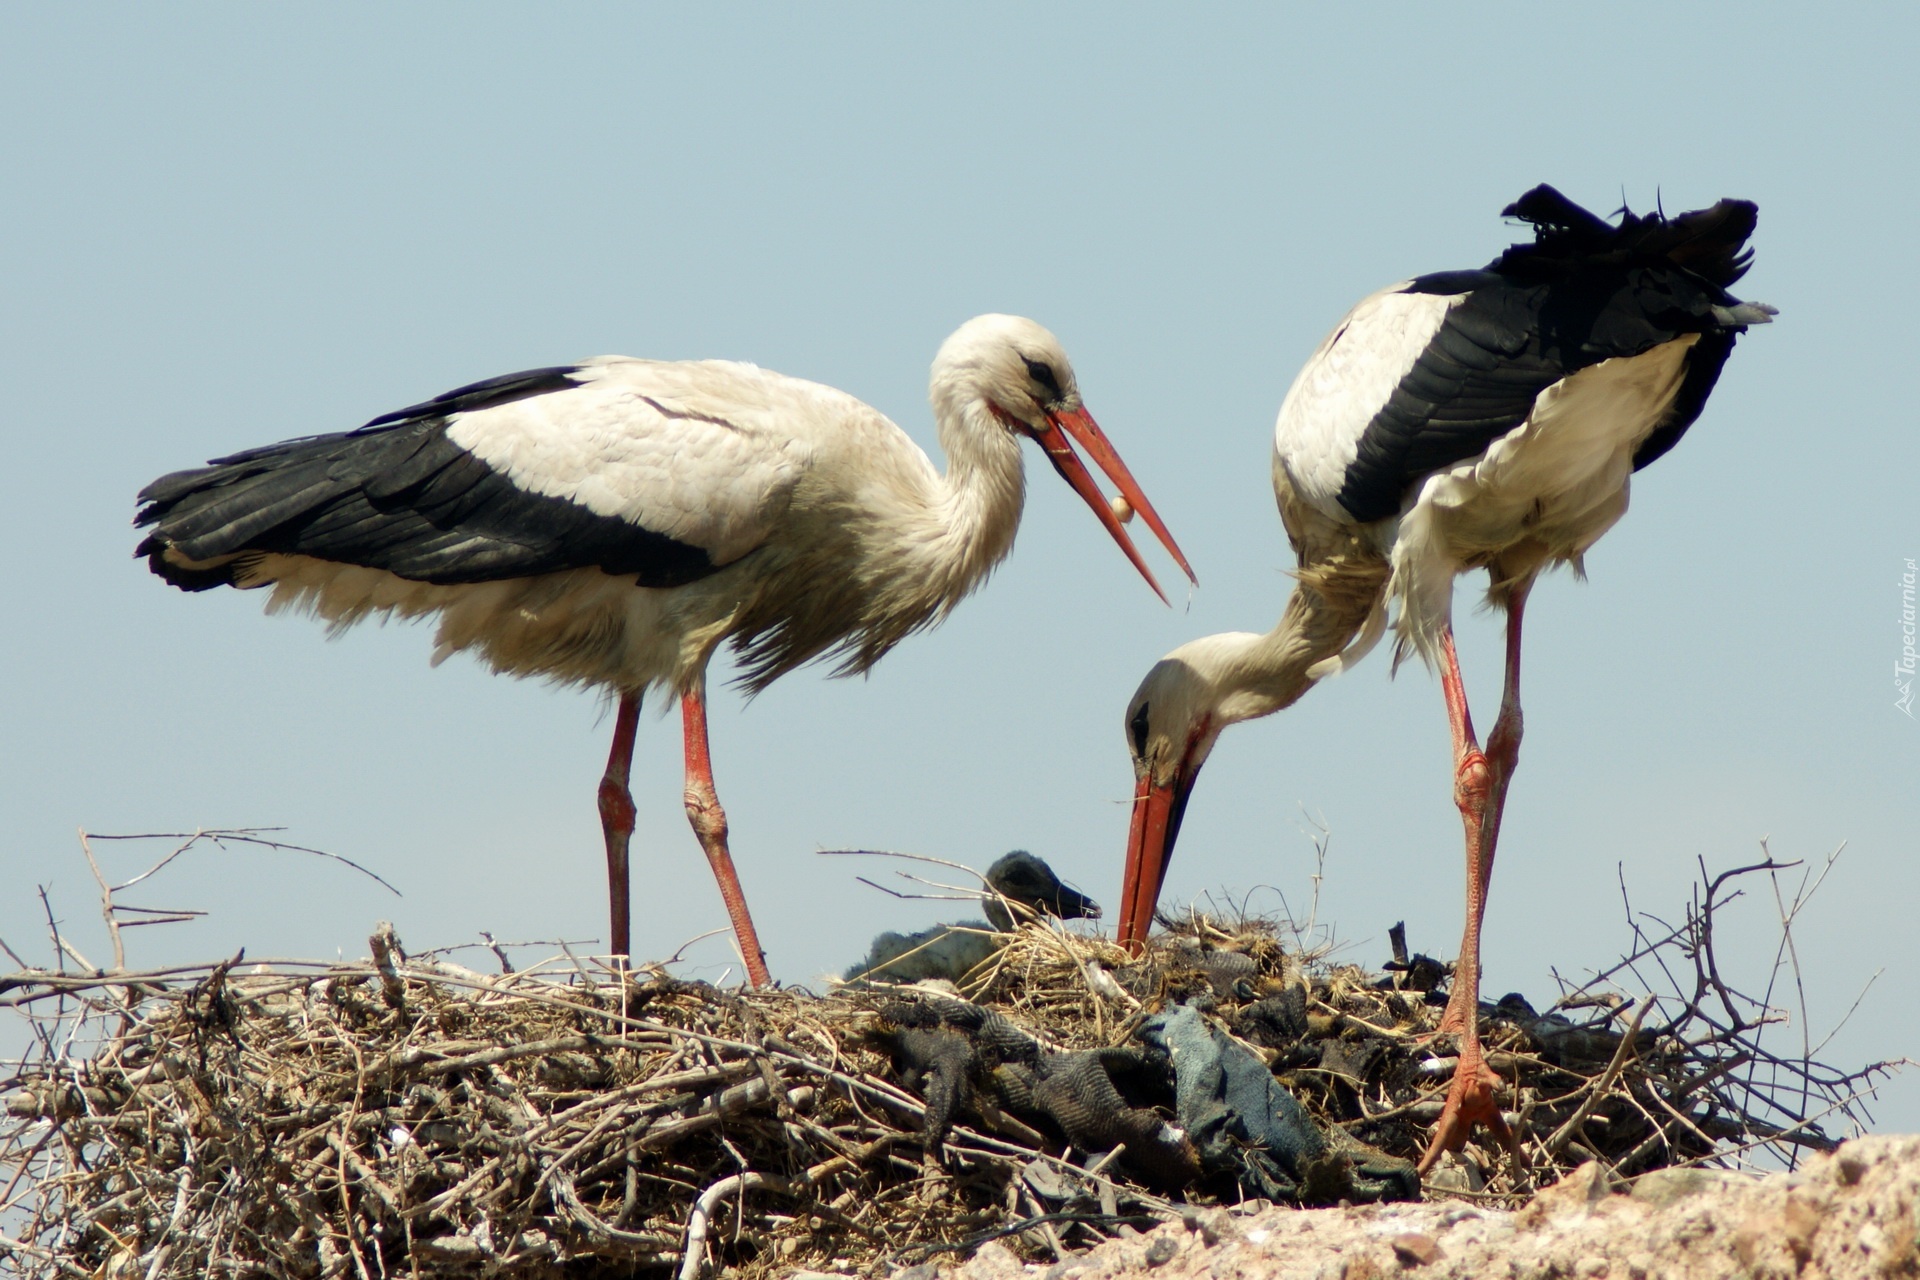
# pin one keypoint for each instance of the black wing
(396, 495)
(1584, 291)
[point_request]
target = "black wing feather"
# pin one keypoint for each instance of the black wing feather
(485, 394)
(397, 495)
(1585, 290)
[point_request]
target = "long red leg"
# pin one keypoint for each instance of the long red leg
(1503, 744)
(710, 825)
(1471, 787)
(616, 817)
(1480, 790)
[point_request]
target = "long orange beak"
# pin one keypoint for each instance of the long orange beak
(1080, 426)
(1157, 811)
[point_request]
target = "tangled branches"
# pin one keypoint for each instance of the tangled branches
(402, 1116)
(369, 1119)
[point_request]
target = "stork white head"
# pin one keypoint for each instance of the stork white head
(1172, 722)
(1016, 372)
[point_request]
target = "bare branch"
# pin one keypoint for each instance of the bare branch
(221, 837)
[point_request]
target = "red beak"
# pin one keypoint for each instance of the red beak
(1079, 424)
(1157, 811)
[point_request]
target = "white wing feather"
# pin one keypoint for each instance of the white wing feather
(1348, 381)
(704, 452)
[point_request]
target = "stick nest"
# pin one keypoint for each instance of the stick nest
(415, 1118)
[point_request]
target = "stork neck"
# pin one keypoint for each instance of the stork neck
(1257, 675)
(977, 509)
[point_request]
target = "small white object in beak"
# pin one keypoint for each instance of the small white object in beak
(1122, 509)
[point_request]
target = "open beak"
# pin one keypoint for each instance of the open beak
(1078, 425)
(1157, 811)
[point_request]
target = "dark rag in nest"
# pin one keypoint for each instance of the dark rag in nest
(1241, 1119)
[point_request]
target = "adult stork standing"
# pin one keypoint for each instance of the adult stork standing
(1467, 420)
(610, 523)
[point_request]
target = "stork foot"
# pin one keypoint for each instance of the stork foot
(1470, 1101)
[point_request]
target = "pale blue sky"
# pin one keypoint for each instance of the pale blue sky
(228, 226)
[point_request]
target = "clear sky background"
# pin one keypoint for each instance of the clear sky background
(228, 226)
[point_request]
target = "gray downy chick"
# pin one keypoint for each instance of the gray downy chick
(1023, 886)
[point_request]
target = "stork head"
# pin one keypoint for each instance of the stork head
(1016, 371)
(1025, 880)
(1172, 722)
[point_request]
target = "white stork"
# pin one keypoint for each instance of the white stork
(1466, 420)
(609, 523)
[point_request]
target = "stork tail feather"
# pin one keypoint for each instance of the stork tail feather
(1709, 242)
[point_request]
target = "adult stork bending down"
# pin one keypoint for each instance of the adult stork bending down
(609, 523)
(1467, 420)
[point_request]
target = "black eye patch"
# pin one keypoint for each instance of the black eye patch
(1138, 728)
(1042, 372)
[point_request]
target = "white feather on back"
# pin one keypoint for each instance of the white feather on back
(1346, 382)
(707, 452)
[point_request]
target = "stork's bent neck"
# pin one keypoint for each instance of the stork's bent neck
(1254, 675)
(976, 508)
(1207, 684)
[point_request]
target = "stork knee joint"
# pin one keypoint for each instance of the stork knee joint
(616, 805)
(1472, 781)
(1503, 744)
(704, 812)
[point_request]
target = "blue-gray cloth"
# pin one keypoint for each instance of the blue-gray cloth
(1240, 1118)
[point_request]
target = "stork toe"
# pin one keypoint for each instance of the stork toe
(1470, 1101)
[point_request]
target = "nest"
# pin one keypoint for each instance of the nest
(418, 1118)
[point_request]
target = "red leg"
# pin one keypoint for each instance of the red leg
(1471, 789)
(710, 825)
(1503, 744)
(616, 817)
(1480, 790)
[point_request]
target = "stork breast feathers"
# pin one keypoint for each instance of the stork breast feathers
(684, 450)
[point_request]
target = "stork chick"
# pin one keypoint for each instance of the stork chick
(1017, 882)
